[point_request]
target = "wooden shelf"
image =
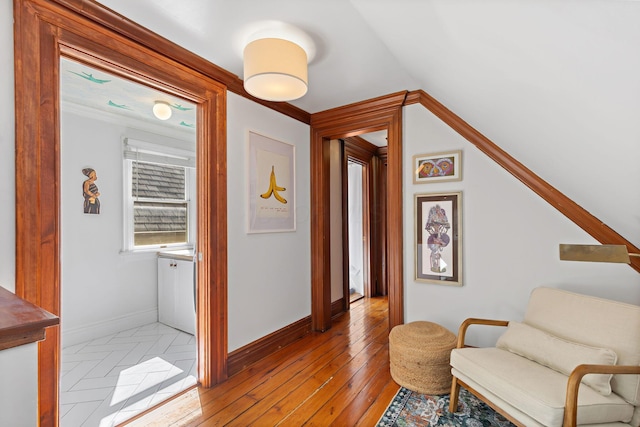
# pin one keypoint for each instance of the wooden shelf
(21, 322)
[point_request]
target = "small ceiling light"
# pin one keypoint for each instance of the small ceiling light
(275, 69)
(162, 110)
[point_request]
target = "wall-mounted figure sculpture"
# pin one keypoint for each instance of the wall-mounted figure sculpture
(90, 192)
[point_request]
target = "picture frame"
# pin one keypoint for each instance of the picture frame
(438, 238)
(437, 167)
(271, 181)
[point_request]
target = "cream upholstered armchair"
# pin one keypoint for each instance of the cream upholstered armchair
(574, 360)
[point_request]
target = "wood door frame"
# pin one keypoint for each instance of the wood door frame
(351, 120)
(362, 152)
(379, 225)
(44, 31)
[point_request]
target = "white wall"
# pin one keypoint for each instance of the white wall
(510, 240)
(569, 89)
(19, 386)
(269, 274)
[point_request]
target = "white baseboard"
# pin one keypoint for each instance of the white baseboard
(95, 330)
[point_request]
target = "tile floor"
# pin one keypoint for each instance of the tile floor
(111, 379)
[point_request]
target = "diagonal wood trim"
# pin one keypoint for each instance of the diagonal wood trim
(123, 26)
(576, 213)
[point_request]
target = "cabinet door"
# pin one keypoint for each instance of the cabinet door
(166, 291)
(185, 310)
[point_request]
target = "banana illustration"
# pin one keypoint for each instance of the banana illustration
(274, 188)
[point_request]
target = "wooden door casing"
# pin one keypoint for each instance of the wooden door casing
(88, 33)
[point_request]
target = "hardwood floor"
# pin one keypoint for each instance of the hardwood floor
(340, 377)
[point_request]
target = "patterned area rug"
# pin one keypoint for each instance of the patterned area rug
(408, 409)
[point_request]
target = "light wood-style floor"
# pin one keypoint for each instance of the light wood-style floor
(340, 377)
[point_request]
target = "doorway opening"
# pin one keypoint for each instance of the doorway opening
(379, 114)
(127, 246)
(358, 264)
(364, 215)
(98, 39)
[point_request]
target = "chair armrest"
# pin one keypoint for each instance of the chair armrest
(471, 321)
(571, 401)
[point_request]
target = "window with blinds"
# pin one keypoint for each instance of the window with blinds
(158, 205)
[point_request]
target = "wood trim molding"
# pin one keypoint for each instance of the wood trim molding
(43, 31)
(22, 322)
(346, 253)
(358, 147)
(338, 307)
(241, 358)
(123, 26)
(576, 213)
(371, 115)
(382, 153)
(352, 120)
(377, 225)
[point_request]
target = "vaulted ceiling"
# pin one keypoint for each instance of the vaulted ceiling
(545, 80)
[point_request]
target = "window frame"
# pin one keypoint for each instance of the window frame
(166, 151)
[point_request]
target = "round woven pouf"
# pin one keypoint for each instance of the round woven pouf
(419, 356)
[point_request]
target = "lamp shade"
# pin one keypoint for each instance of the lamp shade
(275, 69)
(162, 110)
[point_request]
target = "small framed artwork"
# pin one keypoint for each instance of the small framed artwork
(437, 167)
(271, 179)
(438, 231)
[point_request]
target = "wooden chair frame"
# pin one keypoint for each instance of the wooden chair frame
(573, 384)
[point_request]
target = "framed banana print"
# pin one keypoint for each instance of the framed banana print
(437, 167)
(438, 231)
(271, 179)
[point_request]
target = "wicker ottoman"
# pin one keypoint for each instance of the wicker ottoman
(419, 353)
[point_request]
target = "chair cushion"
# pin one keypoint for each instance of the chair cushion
(535, 389)
(558, 354)
(592, 321)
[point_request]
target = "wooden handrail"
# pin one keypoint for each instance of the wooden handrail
(21, 322)
(576, 213)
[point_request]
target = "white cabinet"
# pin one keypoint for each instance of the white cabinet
(176, 294)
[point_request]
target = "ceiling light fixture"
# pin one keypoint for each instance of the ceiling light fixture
(162, 110)
(275, 69)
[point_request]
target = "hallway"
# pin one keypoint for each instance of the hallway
(340, 377)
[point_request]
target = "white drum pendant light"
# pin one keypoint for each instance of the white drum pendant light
(275, 69)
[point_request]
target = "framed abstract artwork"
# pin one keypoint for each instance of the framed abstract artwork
(438, 233)
(271, 179)
(437, 167)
